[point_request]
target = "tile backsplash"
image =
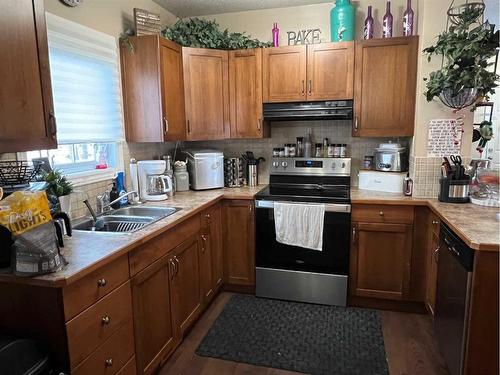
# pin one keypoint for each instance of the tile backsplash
(287, 132)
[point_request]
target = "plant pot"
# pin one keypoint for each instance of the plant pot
(464, 99)
(65, 203)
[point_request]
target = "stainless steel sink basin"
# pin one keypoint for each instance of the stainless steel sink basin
(144, 211)
(126, 219)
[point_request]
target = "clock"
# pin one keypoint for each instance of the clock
(72, 3)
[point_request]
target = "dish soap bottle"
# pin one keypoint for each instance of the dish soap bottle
(342, 21)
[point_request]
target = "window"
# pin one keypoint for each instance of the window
(87, 99)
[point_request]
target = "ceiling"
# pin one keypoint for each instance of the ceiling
(190, 8)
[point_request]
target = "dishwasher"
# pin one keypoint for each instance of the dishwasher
(455, 262)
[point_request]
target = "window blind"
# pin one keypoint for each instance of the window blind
(85, 83)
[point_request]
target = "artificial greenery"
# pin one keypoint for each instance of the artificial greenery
(58, 183)
(202, 33)
(467, 49)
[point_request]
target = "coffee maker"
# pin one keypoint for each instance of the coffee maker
(154, 184)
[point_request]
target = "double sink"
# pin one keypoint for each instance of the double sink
(126, 219)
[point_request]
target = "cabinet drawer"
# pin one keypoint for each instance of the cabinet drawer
(146, 254)
(382, 214)
(96, 324)
(86, 291)
(112, 355)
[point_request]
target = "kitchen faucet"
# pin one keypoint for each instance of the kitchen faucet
(101, 208)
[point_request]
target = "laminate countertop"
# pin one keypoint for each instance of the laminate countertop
(87, 251)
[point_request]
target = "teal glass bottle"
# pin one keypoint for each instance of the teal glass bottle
(342, 21)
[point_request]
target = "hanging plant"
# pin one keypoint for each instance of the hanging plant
(202, 33)
(467, 49)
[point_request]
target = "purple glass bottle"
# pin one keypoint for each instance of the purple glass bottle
(276, 35)
(368, 33)
(408, 20)
(387, 22)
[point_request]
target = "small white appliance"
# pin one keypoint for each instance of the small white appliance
(154, 184)
(390, 182)
(206, 169)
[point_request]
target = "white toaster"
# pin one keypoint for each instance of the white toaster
(206, 169)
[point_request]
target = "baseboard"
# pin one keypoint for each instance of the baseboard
(382, 304)
(245, 289)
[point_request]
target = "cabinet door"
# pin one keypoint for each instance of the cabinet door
(215, 230)
(380, 260)
(284, 74)
(27, 119)
(155, 335)
(185, 284)
(245, 87)
(431, 272)
(239, 242)
(385, 87)
(206, 269)
(174, 117)
(330, 71)
(206, 87)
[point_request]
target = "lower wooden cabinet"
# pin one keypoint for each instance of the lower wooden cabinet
(185, 284)
(206, 267)
(239, 242)
(155, 335)
(380, 260)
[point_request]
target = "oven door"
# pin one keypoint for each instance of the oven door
(333, 259)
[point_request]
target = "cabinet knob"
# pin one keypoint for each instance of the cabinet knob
(207, 216)
(105, 320)
(381, 213)
(101, 282)
(108, 362)
(435, 222)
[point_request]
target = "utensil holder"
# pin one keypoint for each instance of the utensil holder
(454, 191)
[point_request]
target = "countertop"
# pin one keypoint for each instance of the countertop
(86, 251)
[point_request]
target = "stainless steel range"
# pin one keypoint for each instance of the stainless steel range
(292, 272)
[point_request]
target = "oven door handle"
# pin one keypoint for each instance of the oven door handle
(329, 207)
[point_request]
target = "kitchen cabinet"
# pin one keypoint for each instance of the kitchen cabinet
(245, 93)
(186, 295)
(212, 229)
(381, 249)
(306, 73)
(431, 264)
(153, 90)
(330, 71)
(206, 267)
(206, 90)
(385, 87)
(155, 333)
(239, 242)
(27, 111)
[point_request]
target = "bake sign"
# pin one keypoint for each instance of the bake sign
(308, 36)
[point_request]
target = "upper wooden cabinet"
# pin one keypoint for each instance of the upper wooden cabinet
(27, 119)
(153, 90)
(245, 88)
(284, 74)
(385, 87)
(330, 71)
(313, 72)
(206, 88)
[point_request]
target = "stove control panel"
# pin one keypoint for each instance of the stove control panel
(312, 166)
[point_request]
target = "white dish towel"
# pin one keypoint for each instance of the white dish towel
(299, 224)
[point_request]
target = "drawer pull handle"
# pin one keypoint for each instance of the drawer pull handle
(381, 213)
(101, 282)
(435, 222)
(105, 320)
(108, 362)
(207, 216)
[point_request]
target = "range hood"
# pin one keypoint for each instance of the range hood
(324, 110)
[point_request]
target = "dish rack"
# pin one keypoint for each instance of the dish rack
(18, 172)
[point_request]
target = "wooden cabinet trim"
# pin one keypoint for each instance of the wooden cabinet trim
(396, 214)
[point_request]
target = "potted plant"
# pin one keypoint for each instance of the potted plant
(59, 187)
(467, 49)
